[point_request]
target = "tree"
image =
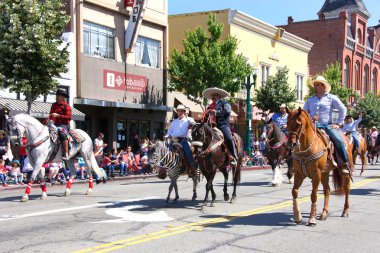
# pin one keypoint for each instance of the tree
(369, 105)
(30, 34)
(333, 75)
(275, 92)
(207, 61)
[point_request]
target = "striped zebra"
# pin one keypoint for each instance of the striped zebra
(171, 159)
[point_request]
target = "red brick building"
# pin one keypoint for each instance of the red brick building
(341, 34)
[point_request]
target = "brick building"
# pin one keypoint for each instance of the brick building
(341, 34)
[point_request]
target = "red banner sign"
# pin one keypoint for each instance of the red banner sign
(115, 80)
(128, 3)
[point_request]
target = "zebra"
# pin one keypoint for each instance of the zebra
(171, 158)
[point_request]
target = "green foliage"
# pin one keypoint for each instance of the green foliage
(207, 61)
(333, 75)
(369, 105)
(30, 32)
(275, 92)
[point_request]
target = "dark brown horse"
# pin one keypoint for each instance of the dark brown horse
(373, 149)
(276, 151)
(310, 153)
(211, 156)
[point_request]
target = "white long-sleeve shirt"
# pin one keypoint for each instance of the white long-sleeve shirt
(180, 127)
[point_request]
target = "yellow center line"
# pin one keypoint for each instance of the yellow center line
(197, 226)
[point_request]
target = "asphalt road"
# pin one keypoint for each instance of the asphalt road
(132, 216)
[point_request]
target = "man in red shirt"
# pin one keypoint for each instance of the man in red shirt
(60, 113)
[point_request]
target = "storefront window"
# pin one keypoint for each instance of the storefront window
(147, 52)
(145, 129)
(98, 40)
(158, 131)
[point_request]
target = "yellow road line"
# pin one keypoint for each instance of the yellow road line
(197, 226)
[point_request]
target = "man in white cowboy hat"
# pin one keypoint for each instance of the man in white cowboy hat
(60, 113)
(320, 107)
(222, 112)
(281, 119)
(374, 133)
(179, 129)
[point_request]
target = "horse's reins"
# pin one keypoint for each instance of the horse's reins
(33, 145)
(269, 140)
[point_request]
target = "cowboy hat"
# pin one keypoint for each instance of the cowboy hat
(61, 92)
(181, 107)
(322, 80)
(374, 127)
(348, 116)
(283, 106)
(3, 132)
(209, 91)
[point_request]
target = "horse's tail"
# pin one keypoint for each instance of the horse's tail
(95, 166)
(338, 182)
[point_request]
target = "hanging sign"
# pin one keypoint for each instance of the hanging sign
(134, 24)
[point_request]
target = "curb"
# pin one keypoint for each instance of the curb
(133, 177)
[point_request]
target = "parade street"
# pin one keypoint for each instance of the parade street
(132, 216)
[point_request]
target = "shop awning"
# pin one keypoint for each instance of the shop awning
(39, 109)
(196, 110)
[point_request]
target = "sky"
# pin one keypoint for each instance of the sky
(274, 12)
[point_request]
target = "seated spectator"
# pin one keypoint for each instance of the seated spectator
(245, 159)
(16, 172)
(52, 172)
(129, 159)
(108, 166)
(258, 157)
(122, 164)
(3, 173)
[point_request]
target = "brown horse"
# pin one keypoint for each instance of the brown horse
(211, 156)
(361, 151)
(373, 149)
(310, 153)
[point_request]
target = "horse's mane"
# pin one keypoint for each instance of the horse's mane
(213, 133)
(27, 117)
(278, 134)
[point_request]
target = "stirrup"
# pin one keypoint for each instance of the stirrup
(233, 162)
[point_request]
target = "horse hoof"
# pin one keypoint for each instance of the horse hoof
(24, 198)
(311, 224)
(89, 192)
(43, 196)
(233, 200)
(291, 180)
(226, 197)
(193, 198)
(274, 184)
(212, 205)
(323, 217)
(67, 193)
(344, 215)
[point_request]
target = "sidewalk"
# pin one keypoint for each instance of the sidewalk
(131, 177)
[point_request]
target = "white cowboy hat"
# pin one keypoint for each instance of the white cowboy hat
(283, 106)
(374, 127)
(322, 80)
(209, 91)
(181, 107)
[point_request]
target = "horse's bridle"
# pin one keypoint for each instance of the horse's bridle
(29, 145)
(298, 133)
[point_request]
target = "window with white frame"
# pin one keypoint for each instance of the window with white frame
(147, 52)
(299, 87)
(98, 40)
(264, 73)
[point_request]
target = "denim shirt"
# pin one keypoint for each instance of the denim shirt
(280, 119)
(222, 113)
(324, 106)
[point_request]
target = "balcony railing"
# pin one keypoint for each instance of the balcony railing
(369, 52)
(350, 43)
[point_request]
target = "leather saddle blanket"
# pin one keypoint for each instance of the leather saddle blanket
(333, 155)
(73, 135)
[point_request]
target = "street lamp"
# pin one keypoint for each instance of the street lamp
(248, 86)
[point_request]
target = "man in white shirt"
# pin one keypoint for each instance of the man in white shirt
(99, 146)
(179, 129)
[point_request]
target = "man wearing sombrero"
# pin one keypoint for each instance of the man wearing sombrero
(352, 127)
(222, 112)
(60, 113)
(179, 129)
(320, 107)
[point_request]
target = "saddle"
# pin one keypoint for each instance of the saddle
(333, 156)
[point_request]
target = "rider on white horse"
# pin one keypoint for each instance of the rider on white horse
(60, 113)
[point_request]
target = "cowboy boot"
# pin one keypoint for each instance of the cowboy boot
(65, 150)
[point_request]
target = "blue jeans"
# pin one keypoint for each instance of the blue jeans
(356, 139)
(186, 148)
(229, 140)
(123, 168)
(336, 138)
(110, 169)
(2, 178)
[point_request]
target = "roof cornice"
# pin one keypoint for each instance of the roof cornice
(241, 19)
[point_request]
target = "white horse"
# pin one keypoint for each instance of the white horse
(40, 147)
